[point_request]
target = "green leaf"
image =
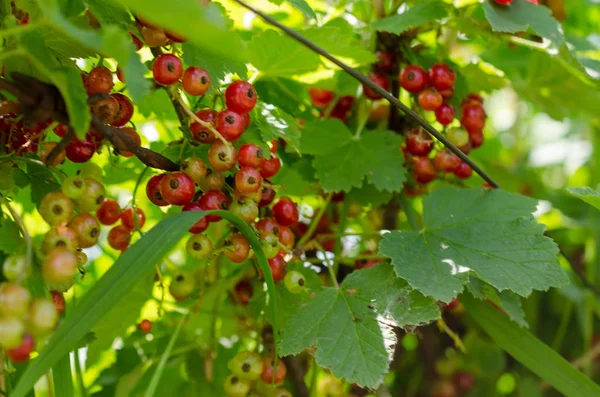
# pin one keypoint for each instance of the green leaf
(348, 339)
(489, 233)
(530, 351)
(137, 262)
(110, 13)
(157, 102)
(506, 300)
(275, 54)
(369, 195)
(422, 13)
(521, 15)
(120, 317)
(303, 6)
(63, 379)
(342, 161)
(339, 38)
(587, 194)
(216, 65)
(273, 123)
(42, 182)
(66, 78)
(194, 21)
(11, 241)
(481, 80)
(391, 296)
(296, 176)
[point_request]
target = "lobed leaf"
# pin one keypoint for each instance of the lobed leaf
(422, 13)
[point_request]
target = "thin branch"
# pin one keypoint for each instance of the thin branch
(123, 142)
(296, 375)
(61, 146)
(315, 222)
(385, 94)
(203, 123)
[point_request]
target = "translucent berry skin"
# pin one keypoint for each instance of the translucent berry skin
(202, 224)
(243, 291)
(244, 208)
(413, 78)
(473, 117)
(145, 326)
(458, 136)
(106, 109)
(119, 238)
(446, 161)
(22, 352)
(11, 332)
(79, 151)
(177, 188)
(214, 181)
(196, 81)
(270, 375)
(445, 114)
(418, 142)
(285, 212)
(267, 196)
(109, 212)
(167, 69)
(213, 200)
(247, 180)
(56, 208)
(99, 81)
(60, 236)
(14, 300)
(278, 267)
(230, 124)
(441, 76)
(286, 237)
(342, 108)
(241, 248)
(267, 227)
(503, 2)
(270, 167)
(250, 155)
(59, 302)
(174, 37)
(320, 97)
(93, 197)
(381, 80)
(59, 269)
(87, 228)
(195, 168)
(73, 187)
(387, 61)
(199, 246)
(200, 132)
(42, 317)
(424, 170)
(128, 221)
(125, 110)
(182, 286)
(295, 282)
(153, 191)
(430, 99)
(240, 96)
(477, 139)
(222, 157)
(463, 171)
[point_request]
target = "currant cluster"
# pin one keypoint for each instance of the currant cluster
(249, 370)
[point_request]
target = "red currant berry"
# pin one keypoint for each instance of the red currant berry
(125, 111)
(267, 227)
(285, 212)
(222, 157)
(447, 93)
(247, 180)
(320, 97)
(22, 352)
(246, 120)
(61, 130)
(213, 181)
(463, 171)
(202, 224)
(137, 43)
(419, 142)
(109, 212)
(59, 302)
(60, 236)
(129, 222)
(243, 291)
(267, 196)
(381, 80)
(342, 108)
(199, 246)
(240, 96)
(244, 208)
(87, 229)
(386, 62)
(446, 161)
(56, 208)
(182, 286)
(153, 191)
(458, 136)
(423, 170)
(430, 99)
(286, 237)
(195, 168)
(175, 38)
(445, 114)
(45, 150)
(11, 332)
(177, 188)
(278, 267)
(413, 78)
(473, 117)
(100, 81)
(476, 139)
(201, 133)
(270, 167)
(503, 2)
(196, 81)
(14, 300)
(59, 269)
(93, 196)
(250, 155)
(239, 248)
(154, 37)
(146, 326)
(80, 151)
(213, 200)
(106, 109)
(270, 375)
(472, 99)
(464, 381)
(230, 124)
(441, 76)
(42, 317)
(167, 69)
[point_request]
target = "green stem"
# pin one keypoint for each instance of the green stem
(411, 214)
(562, 328)
(329, 266)
(315, 222)
(133, 208)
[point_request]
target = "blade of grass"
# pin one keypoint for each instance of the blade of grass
(63, 379)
